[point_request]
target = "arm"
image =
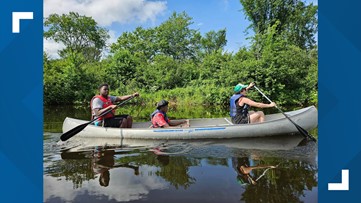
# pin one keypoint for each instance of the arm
(100, 111)
(182, 123)
(255, 104)
(97, 106)
(122, 98)
(172, 124)
(250, 86)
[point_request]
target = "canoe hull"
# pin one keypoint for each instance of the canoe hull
(282, 142)
(219, 128)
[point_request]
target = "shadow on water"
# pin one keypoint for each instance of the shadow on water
(280, 169)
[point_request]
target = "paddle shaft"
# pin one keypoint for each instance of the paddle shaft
(299, 128)
(79, 128)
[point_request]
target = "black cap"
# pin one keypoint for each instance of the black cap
(162, 103)
(101, 85)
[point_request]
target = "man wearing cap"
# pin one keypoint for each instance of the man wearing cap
(102, 102)
(160, 120)
(240, 104)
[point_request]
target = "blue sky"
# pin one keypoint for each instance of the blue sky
(207, 15)
(125, 15)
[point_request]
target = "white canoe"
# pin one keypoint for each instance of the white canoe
(205, 128)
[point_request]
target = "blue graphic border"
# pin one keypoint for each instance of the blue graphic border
(21, 142)
(339, 93)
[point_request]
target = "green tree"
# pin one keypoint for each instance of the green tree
(165, 72)
(214, 41)
(162, 57)
(280, 68)
(57, 87)
(140, 42)
(84, 40)
(121, 68)
(173, 38)
(176, 39)
(297, 22)
(64, 83)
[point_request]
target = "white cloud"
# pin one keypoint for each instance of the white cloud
(106, 12)
(51, 48)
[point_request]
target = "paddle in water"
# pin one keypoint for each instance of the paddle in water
(299, 128)
(67, 135)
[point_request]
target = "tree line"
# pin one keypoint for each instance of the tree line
(178, 63)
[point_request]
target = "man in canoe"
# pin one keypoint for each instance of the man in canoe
(160, 120)
(240, 104)
(102, 102)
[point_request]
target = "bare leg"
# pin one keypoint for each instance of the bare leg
(129, 122)
(124, 123)
(257, 117)
(261, 119)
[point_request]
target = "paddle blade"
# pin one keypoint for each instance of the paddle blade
(73, 132)
(305, 133)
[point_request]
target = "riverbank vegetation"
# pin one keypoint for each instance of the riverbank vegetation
(176, 62)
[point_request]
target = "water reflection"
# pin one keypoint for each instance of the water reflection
(103, 161)
(209, 171)
(286, 183)
(244, 170)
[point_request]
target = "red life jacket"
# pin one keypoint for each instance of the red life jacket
(154, 123)
(106, 102)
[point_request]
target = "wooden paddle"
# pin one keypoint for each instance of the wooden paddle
(299, 128)
(79, 128)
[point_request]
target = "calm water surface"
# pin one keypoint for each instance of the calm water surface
(280, 169)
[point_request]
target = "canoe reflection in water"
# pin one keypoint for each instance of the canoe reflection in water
(270, 170)
(103, 161)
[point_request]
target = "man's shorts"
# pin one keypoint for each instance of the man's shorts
(114, 122)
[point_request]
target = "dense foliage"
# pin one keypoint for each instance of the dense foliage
(178, 63)
(296, 21)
